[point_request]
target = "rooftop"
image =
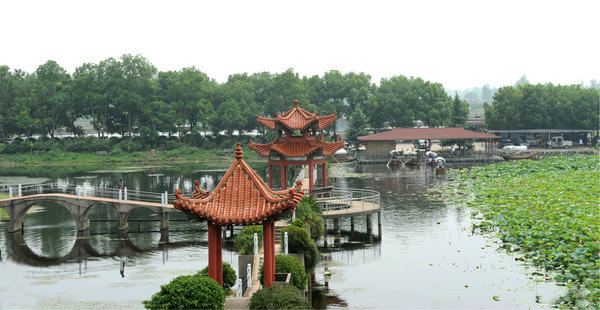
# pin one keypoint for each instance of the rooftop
(297, 147)
(241, 197)
(297, 119)
(427, 134)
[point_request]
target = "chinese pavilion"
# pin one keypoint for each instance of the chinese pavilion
(297, 143)
(240, 198)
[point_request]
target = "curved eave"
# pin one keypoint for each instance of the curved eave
(329, 148)
(326, 121)
(261, 149)
(266, 121)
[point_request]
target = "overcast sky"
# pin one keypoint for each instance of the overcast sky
(458, 43)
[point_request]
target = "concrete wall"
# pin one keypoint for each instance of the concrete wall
(378, 149)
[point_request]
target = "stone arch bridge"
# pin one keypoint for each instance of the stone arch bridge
(79, 200)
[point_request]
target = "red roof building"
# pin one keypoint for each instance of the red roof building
(240, 198)
(298, 143)
(398, 134)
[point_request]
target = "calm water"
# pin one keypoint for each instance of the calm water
(425, 257)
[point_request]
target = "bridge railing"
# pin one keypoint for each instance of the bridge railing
(332, 199)
(82, 190)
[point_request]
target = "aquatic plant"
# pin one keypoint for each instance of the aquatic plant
(548, 211)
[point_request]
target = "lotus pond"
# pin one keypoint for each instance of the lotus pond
(547, 212)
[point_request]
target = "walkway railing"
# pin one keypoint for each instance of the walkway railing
(83, 190)
(332, 199)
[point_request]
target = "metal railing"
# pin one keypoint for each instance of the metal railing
(332, 199)
(83, 190)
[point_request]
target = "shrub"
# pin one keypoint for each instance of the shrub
(229, 275)
(280, 296)
(244, 242)
(130, 145)
(308, 213)
(299, 241)
(289, 264)
(188, 292)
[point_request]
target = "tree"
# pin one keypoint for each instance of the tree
(522, 80)
(51, 104)
(357, 126)
(460, 111)
(228, 118)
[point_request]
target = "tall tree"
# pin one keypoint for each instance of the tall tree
(357, 126)
(460, 111)
(51, 104)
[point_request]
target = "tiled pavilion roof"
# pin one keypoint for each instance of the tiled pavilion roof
(298, 119)
(296, 147)
(241, 197)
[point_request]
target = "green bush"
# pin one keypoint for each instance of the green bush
(289, 264)
(280, 296)
(299, 241)
(308, 213)
(130, 145)
(229, 275)
(188, 292)
(244, 241)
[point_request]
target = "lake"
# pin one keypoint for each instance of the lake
(425, 257)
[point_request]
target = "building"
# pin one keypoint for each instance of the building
(379, 145)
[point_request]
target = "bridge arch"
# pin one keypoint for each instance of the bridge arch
(18, 212)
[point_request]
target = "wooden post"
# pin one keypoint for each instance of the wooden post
(270, 175)
(215, 265)
(324, 172)
(268, 245)
(283, 176)
(311, 176)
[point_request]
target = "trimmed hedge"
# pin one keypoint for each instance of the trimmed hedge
(244, 241)
(309, 214)
(289, 264)
(229, 275)
(280, 296)
(188, 292)
(300, 242)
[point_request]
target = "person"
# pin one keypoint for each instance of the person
(121, 184)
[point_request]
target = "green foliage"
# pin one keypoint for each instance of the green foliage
(280, 296)
(529, 106)
(310, 216)
(289, 264)
(244, 241)
(547, 210)
(188, 292)
(357, 125)
(229, 275)
(300, 242)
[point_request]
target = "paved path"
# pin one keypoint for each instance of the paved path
(58, 196)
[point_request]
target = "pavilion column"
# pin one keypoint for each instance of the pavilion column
(324, 173)
(215, 267)
(269, 252)
(283, 176)
(270, 175)
(311, 176)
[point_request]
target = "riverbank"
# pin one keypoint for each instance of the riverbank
(3, 214)
(545, 211)
(181, 155)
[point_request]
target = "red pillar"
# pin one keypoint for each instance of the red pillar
(272, 227)
(270, 175)
(219, 254)
(269, 248)
(311, 181)
(283, 176)
(324, 172)
(215, 265)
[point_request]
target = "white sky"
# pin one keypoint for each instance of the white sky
(458, 43)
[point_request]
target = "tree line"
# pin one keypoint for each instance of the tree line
(528, 106)
(129, 96)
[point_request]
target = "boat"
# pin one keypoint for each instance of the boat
(520, 155)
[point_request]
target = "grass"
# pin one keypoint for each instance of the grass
(92, 160)
(3, 214)
(547, 211)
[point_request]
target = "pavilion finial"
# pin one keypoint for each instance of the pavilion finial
(295, 103)
(239, 154)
